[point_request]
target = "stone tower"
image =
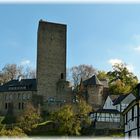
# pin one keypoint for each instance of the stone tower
(51, 58)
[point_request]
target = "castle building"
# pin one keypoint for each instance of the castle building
(51, 65)
(94, 91)
(51, 82)
(49, 90)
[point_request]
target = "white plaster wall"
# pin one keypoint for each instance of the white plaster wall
(108, 104)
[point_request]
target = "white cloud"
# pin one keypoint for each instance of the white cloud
(130, 67)
(115, 61)
(25, 62)
(137, 48)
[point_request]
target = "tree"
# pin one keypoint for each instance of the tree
(102, 75)
(121, 80)
(16, 131)
(67, 121)
(83, 110)
(72, 119)
(81, 71)
(29, 118)
(29, 73)
(12, 71)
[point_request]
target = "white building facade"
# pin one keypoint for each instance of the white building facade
(132, 116)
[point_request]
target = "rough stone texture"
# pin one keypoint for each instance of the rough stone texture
(108, 125)
(51, 64)
(95, 96)
(51, 57)
(14, 98)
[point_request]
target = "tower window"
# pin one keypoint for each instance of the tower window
(62, 76)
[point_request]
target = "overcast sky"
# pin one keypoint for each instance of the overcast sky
(97, 34)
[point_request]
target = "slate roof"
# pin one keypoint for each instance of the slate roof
(92, 81)
(16, 85)
(119, 99)
(107, 111)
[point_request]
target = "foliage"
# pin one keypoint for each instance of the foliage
(102, 75)
(8, 119)
(82, 71)
(67, 121)
(16, 131)
(83, 110)
(29, 118)
(71, 119)
(121, 80)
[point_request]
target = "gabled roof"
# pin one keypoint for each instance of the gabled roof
(16, 85)
(119, 99)
(107, 111)
(92, 81)
(113, 97)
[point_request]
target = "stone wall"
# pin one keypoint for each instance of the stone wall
(51, 58)
(14, 102)
(95, 98)
(107, 125)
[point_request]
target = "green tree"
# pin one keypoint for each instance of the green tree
(67, 121)
(72, 119)
(29, 118)
(102, 75)
(82, 112)
(121, 80)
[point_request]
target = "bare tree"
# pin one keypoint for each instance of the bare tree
(29, 73)
(82, 71)
(12, 71)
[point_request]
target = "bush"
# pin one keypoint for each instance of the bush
(29, 118)
(8, 119)
(16, 131)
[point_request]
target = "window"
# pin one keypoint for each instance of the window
(132, 113)
(24, 96)
(19, 106)
(22, 105)
(129, 133)
(18, 95)
(6, 106)
(62, 76)
(126, 118)
(28, 96)
(10, 97)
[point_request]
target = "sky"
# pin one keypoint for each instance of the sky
(98, 34)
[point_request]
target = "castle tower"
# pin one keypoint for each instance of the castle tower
(51, 58)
